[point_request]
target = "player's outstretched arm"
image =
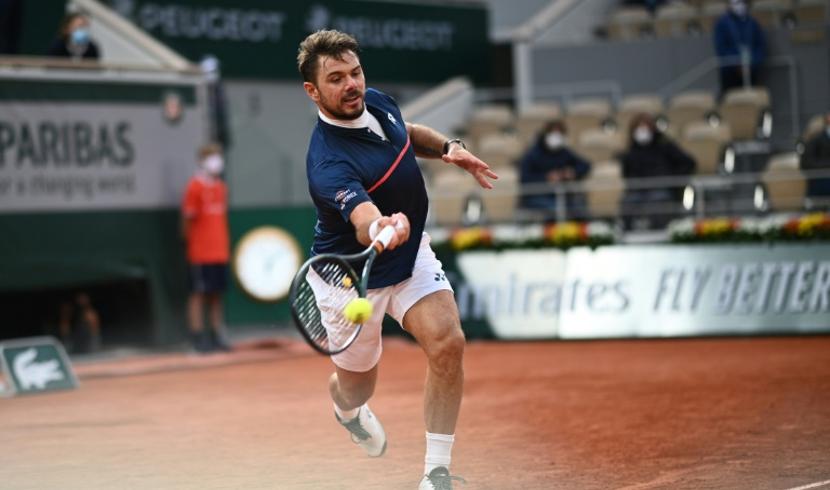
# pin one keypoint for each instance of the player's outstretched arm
(429, 143)
(366, 213)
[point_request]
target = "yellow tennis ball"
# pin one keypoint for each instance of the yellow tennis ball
(358, 310)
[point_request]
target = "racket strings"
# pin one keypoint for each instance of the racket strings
(320, 303)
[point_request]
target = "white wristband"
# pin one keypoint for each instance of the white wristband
(373, 229)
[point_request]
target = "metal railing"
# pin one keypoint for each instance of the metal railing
(697, 195)
(564, 92)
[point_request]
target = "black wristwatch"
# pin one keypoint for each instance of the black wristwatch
(449, 142)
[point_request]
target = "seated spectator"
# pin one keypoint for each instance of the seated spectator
(740, 45)
(549, 160)
(817, 157)
(74, 40)
(651, 154)
(80, 325)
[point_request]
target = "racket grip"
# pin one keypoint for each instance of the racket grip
(384, 237)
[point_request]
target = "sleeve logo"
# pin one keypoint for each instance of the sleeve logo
(343, 197)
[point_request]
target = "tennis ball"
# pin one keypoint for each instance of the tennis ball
(358, 310)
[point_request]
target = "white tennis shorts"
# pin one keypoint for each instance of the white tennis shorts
(427, 278)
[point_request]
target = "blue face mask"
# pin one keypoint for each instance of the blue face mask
(79, 37)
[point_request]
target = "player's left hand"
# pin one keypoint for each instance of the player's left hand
(471, 163)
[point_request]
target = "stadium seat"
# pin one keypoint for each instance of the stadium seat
(630, 23)
(500, 150)
(431, 167)
(637, 104)
(588, 113)
(689, 107)
(675, 20)
(449, 193)
(533, 118)
(744, 110)
(811, 11)
(500, 203)
(598, 145)
(709, 14)
(771, 13)
(784, 183)
(488, 119)
(604, 188)
(705, 143)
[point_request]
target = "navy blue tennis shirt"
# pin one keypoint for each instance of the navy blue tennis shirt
(348, 166)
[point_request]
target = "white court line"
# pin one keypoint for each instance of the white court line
(811, 485)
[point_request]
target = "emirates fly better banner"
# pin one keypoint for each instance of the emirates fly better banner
(646, 291)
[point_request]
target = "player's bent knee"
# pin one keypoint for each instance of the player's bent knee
(447, 351)
(353, 391)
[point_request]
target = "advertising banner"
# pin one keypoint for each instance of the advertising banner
(35, 365)
(646, 291)
(76, 145)
(400, 42)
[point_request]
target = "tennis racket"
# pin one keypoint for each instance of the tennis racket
(323, 287)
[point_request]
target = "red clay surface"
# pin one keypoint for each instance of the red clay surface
(712, 413)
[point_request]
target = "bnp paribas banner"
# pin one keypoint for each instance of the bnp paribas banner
(84, 145)
(400, 42)
(646, 291)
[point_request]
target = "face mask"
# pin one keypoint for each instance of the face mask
(554, 140)
(214, 164)
(642, 135)
(739, 8)
(80, 37)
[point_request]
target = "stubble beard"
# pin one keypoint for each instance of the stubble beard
(342, 115)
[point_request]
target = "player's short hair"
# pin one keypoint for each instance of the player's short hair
(323, 43)
(207, 150)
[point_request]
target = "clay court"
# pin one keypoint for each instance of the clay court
(704, 413)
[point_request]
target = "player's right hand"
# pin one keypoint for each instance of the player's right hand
(401, 224)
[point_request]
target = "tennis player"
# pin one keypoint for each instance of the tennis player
(363, 176)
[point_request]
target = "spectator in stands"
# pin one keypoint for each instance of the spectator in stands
(79, 324)
(205, 228)
(741, 46)
(550, 160)
(651, 154)
(651, 5)
(74, 40)
(817, 157)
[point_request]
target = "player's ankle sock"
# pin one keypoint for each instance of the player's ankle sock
(439, 451)
(346, 415)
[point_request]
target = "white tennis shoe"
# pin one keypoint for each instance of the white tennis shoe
(439, 479)
(366, 431)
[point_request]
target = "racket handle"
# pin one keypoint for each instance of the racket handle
(384, 237)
